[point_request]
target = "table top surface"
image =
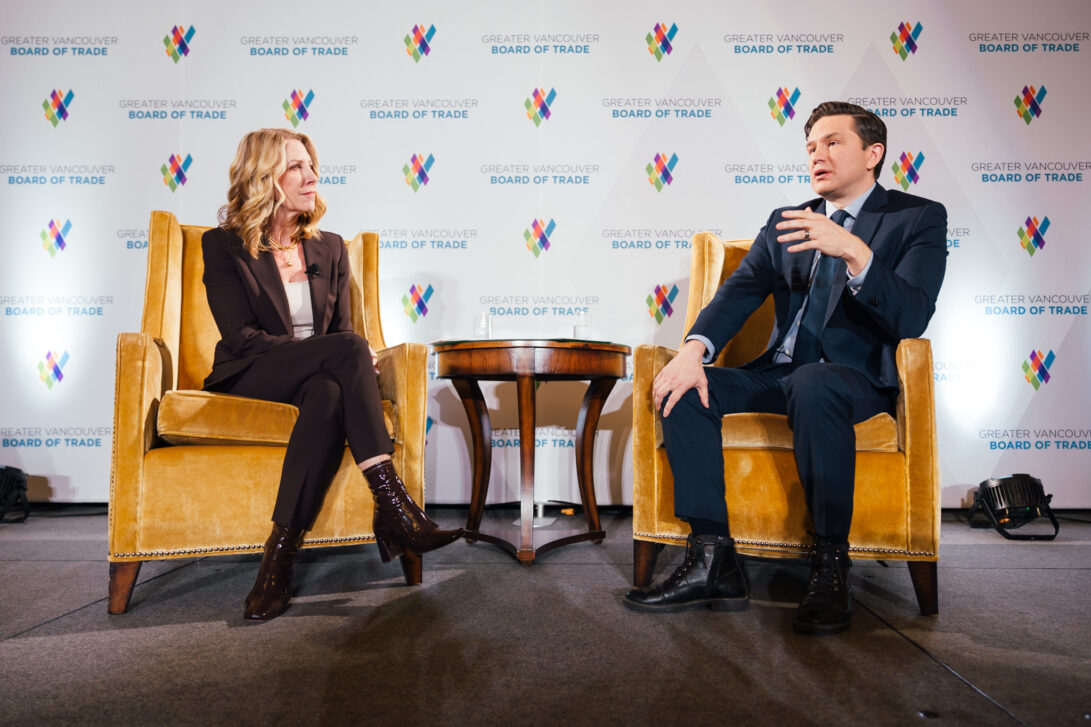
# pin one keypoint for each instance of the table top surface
(555, 343)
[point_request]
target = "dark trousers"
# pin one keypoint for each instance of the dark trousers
(822, 400)
(331, 380)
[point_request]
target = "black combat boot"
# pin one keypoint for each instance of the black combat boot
(710, 576)
(827, 607)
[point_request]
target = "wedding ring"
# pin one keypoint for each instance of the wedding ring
(806, 234)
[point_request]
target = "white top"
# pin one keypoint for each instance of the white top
(299, 305)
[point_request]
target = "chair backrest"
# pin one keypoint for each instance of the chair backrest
(712, 261)
(176, 311)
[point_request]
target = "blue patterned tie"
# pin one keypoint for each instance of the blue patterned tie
(808, 347)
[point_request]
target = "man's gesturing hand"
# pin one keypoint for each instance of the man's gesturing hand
(683, 373)
(813, 231)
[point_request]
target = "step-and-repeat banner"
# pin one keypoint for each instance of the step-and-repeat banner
(534, 160)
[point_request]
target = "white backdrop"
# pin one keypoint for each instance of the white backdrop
(90, 170)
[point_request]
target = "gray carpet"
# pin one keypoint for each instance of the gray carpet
(488, 641)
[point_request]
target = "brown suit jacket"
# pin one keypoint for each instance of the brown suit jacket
(249, 303)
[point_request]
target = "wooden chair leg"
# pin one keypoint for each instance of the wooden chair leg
(412, 567)
(645, 554)
(122, 579)
(926, 585)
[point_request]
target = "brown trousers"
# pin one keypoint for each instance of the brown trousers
(331, 380)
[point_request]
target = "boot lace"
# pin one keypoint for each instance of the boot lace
(825, 573)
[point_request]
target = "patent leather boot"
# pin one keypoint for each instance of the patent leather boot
(273, 589)
(710, 576)
(827, 607)
(399, 524)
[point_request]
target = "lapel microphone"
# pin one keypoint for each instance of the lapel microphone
(313, 271)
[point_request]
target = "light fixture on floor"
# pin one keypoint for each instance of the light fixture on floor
(13, 493)
(1011, 502)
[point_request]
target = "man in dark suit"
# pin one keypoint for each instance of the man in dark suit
(851, 274)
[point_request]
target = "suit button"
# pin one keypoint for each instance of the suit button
(873, 302)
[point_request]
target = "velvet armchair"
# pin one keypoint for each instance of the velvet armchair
(896, 502)
(196, 473)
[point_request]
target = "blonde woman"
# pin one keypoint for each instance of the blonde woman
(278, 288)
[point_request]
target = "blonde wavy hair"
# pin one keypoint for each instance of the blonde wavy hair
(255, 194)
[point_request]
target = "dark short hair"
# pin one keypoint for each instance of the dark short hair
(869, 127)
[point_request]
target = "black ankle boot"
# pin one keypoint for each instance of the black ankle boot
(827, 607)
(399, 524)
(273, 589)
(709, 576)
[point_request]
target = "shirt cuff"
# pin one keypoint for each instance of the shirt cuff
(709, 348)
(857, 281)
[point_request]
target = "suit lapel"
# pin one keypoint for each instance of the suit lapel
(317, 253)
(867, 222)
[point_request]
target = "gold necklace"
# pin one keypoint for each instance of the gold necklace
(286, 249)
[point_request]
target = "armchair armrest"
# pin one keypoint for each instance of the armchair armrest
(403, 379)
(917, 438)
(403, 373)
(648, 361)
(143, 375)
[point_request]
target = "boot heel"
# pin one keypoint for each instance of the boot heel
(388, 550)
(399, 524)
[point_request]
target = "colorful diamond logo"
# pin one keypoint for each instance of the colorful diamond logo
(1032, 234)
(906, 169)
(296, 107)
(782, 105)
(174, 171)
(1036, 368)
(418, 42)
(56, 106)
(177, 42)
(537, 236)
(660, 171)
(904, 39)
(416, 171)
(415, 302)
(50, 368)
(659, 302)
(1028, 103)
(539, 104)
(53, 236)
(659, 40)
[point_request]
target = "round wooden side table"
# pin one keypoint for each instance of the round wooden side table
(526, 362)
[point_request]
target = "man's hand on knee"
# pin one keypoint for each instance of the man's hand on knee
(684, 372)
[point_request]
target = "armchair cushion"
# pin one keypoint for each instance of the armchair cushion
(770, 431)
(205, 417)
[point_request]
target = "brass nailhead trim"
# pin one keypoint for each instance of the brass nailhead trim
(361, 540)
(796, 546)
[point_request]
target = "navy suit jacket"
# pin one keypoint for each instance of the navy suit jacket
(908, 238)
(248, 301)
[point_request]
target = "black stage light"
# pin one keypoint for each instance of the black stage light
(13, 492)
(1011, 502)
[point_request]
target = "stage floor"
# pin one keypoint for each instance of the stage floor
(485, 640)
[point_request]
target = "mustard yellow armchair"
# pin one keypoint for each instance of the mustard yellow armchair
(196, 473)
(896, 505)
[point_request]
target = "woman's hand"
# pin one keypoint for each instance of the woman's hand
(374, 358)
